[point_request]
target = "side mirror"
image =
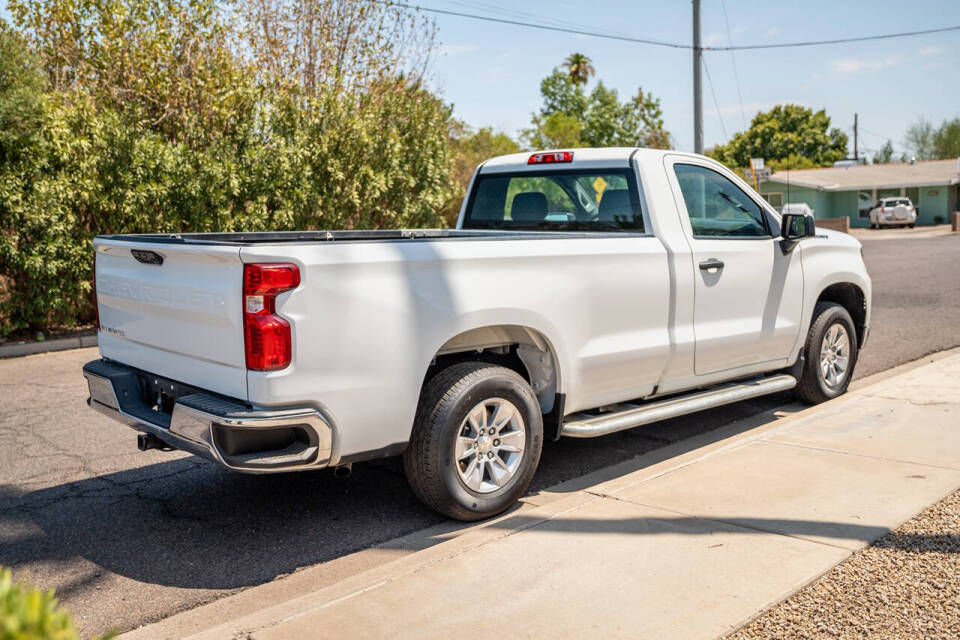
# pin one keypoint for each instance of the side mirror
(795, 227)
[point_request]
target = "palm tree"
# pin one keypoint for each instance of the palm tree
(579, 68)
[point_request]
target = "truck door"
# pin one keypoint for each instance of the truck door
(748, 294)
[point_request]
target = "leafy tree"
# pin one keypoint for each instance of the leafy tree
(792, 161)
(167, 63)
(784, 132)
(579, 68)
(345, 45)
(946, 141)
(919, 139)
(571, 117)
(561, 95)
(470, 148)
(157, 116)
(930, 143)
(21, 95)
(885, 154)
(555, 131)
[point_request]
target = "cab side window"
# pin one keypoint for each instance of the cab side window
(717, 207)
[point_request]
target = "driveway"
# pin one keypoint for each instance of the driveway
(892, 233)
(128, 537)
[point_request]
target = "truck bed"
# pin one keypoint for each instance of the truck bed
(303, 237)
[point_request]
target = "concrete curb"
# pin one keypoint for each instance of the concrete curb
(60, 344)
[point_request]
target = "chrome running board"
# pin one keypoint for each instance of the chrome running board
(627, 416)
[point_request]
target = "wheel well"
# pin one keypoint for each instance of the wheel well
(515, 347)
(851, 298)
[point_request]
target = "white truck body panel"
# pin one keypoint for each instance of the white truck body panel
(380, 312)
(619, 316)
(181, 319)
(749, 313)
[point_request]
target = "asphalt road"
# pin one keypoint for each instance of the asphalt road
(128, 537)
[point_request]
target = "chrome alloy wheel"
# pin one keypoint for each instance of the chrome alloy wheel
(490, 445)
(835, 355)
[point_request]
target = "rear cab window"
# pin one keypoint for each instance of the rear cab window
(556, 200)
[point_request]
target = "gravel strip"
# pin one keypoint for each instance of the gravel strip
(905, 585)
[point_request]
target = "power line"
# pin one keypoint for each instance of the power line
(660, 43)
(876, 135)
(533, 25)
(706, 69)
(814, 43)
(520, 15)
(733, 58)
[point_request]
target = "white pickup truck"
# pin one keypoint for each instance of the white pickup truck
(583, 292)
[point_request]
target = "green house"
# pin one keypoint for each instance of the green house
(835, 192)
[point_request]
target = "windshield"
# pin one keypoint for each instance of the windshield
(580, 200)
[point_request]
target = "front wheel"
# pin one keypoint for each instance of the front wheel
(830, 353)
(476, 441)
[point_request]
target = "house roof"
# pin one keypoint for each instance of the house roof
(874, 176)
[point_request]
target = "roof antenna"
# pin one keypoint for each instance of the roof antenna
(788, 179)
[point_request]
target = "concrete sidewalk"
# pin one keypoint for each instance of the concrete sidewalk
(690, 541)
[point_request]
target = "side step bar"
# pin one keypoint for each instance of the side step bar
(634, 415)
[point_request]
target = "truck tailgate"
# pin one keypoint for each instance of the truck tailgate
(176, 311)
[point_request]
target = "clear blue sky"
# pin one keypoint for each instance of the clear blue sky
(491, 72)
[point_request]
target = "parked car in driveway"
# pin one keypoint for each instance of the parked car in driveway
(893, 212)
(582, 293)
(797, 208)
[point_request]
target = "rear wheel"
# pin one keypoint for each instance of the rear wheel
(830, 353)
(476, 441)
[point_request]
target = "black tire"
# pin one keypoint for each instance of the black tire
(429, 461)
(812, 386)
(910, 226)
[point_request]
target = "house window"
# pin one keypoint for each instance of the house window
(775, 198)
(864, 203)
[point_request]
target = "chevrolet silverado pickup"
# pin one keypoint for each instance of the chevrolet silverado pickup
(582, 292)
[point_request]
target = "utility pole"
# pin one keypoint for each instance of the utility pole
(697, 89)
(855, 137)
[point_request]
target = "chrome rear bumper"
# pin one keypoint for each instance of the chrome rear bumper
(215, 428)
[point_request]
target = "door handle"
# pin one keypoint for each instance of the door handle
(710, 264)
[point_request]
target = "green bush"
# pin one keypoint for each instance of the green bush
(145, 116)
(30, 614)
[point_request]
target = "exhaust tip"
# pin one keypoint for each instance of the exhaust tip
(343, 471)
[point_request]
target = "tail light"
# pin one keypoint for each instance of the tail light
(266, 335)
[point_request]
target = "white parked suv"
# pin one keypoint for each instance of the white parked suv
(897, 211)
(583, 292)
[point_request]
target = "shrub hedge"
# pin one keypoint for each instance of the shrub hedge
(237, 150)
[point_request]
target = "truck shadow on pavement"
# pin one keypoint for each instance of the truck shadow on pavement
(824, 531)
(187, 523)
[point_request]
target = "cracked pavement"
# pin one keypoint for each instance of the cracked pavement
(128, 537)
